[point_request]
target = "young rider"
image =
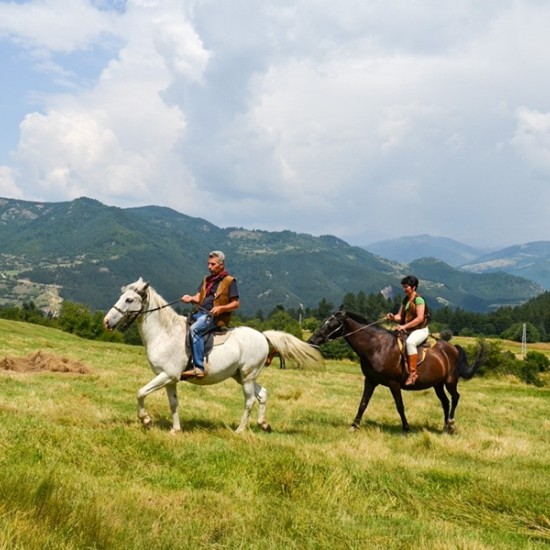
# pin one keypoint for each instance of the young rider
(412, 317)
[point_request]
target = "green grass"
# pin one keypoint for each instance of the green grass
(78, 471)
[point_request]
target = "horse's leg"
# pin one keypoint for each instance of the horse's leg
(261, 396)
(395, 389)
(455, 397)
(368, 390)
(249, 396)
(440, 392)
(172, 394)
(157, 383)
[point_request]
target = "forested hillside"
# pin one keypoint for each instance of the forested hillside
(84, 251)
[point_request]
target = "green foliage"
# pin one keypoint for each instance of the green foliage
(515, 333)
(324, 309)
(501, 362)
(28, 313)
(89, 250)
(505, 322)
(310, 324)
(80, 320)
(281, 320)
(338, 350)
(539, 359)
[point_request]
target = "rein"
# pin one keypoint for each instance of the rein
(356, 330)
(160, 307)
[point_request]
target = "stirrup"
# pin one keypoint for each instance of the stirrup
(413, 377)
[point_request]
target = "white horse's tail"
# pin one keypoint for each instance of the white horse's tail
(291, 348)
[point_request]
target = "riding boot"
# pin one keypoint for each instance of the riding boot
(413, 374)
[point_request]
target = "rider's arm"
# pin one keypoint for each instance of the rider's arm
(396, 317)
(231, 306)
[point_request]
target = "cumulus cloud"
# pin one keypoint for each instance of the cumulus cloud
(359, 119)
(8, 188)
(532, 139)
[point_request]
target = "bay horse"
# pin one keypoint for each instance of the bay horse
(241, 357)
(382, 363)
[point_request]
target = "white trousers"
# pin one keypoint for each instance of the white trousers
(415, 338)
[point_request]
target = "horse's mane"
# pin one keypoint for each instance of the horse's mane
(167, 316)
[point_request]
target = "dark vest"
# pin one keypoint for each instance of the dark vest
(221, 298)
(410, 312)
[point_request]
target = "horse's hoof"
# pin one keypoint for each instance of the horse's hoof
(175, 432)
(265, 426)
(353, 428)
(146, 421)
(450, 427)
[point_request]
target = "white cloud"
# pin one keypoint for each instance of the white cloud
(309, 115)
(532, 139)
(8, 188)
(53, 25)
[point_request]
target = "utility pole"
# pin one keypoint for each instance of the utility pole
(524, 341)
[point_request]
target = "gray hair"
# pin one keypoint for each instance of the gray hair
(219, 255)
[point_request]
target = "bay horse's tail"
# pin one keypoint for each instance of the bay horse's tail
(464, 369)
(291, 348)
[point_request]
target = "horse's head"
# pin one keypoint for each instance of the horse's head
(332, 328)
(132, 302)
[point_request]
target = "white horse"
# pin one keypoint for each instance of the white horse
(241, 356)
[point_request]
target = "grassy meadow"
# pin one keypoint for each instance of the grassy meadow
(78, 471)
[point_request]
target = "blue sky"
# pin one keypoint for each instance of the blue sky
(362, 119)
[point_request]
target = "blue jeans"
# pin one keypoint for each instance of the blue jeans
(203, 323)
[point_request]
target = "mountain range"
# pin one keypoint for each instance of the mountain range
(85, 251)
(529, 260)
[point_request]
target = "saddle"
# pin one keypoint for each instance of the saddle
(423, 348)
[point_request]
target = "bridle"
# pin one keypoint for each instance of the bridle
(131, 316)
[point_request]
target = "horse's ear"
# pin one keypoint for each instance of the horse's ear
(141, 282)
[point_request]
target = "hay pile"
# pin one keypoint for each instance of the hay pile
(43, 362)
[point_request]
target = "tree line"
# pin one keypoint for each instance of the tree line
(505, 322)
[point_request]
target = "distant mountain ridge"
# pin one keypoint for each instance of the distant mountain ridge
(84, 251)
(408, 249)
(530, 260)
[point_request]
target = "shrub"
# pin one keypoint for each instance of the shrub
(338, 349)
(500, 363)
(539, 360)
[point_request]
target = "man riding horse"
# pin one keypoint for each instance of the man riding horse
(217, 297)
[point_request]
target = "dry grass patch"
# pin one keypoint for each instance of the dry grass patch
(39, 361)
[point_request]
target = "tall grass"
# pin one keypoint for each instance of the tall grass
(78, 471)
